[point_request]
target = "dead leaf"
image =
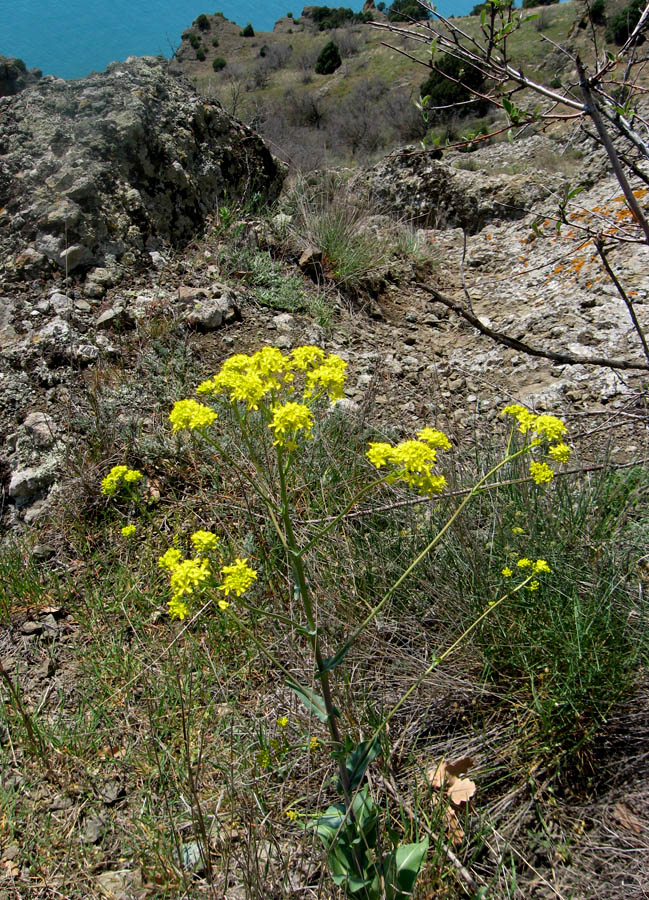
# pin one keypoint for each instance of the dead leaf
(627, 818)
(454, 830)
(461, 767)
(461, 791)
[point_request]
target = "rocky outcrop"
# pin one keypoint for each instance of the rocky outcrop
(14, 76)
(101, 170)
(438, 194)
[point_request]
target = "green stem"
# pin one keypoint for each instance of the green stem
(388, 594)
(297, 566)
(336, 520)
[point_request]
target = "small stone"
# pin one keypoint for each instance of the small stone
(210, 314)
(112, 791)
(74, 256)
(283, 322)
(186, 293)
(31, 628)
(192, 857)
(41, 428)
(93, 829)
(118, 885)
(12, 851)
(61, 801)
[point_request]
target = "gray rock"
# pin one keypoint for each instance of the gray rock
(26, 484)
(93, 829)
(41, 428)
(210, 313)
(31, 628)
(120, 161)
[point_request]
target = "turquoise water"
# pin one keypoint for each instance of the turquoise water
(71, 38)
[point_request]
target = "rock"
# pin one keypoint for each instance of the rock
(26, 484)
(41, 429)
(93, 829)
(119, 162)
(119, 884)
(112, 791)
(61, 304)
(283, 322)
(14, 76)
(112, 317)
(189, 294)
(192, 857)
(31, 628)
(311, 263)
(210, 313)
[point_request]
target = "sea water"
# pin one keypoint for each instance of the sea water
(71, 38)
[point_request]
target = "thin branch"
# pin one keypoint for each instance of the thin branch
(599, 246)
(521, 347)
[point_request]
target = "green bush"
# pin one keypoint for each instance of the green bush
(442, 92)
(219, 63)
(20, 65)
(325, 17)
(195, 41)
(203, 23)
(404, 10)
(215, 42)
(530, 4)
(248, 31)
(200, 54)
(622, 24)
(329, 59)
(597, 12)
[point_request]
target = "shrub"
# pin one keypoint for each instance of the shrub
(530, 4)
(248, 31)
(203, 23)
(404, 10)
(195, 41)
(326, 18)
(215, 42)
(219, 63)
(20, 65)
(200, 54)
(289, 15)
(597, 12)
(622, 24)
(444, 93)
(381, 6)
(329, 59)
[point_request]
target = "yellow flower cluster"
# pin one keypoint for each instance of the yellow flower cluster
(537, 567)
(541, 428)
(237, 578)
(249, 378)
(288, 419)
(412, 461)
(204, 541)
(117, 477)
(187, 415)
(129, 530)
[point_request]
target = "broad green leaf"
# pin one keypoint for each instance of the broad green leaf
(402, 867)
(313, 702)
(359, 759)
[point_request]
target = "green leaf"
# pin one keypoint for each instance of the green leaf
(359, 759)
(330, 662)
(402, 867)
(313, 702)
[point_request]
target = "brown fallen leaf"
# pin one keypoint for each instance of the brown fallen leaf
(461, 791)
(625, 817)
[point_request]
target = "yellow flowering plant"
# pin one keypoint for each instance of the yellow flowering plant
(276, 401)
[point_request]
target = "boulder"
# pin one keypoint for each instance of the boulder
(113, 166)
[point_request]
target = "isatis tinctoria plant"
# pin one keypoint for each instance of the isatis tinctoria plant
(277, 401)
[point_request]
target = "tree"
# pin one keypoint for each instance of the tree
(329, 59)
(248, 31)
(452, 88)
(404, 10)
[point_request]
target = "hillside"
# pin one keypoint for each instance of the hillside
(392, 552)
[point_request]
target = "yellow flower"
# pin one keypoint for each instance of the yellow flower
(314, 743)
(379, 454)
(170, 559)
(533, 585)
(188, 575)
(329, 376)
(549, 427)
(524, 417)
(541, 472)
(524, 563)
(263, 759)
(288, 419)
(540, 566)
(118, 476)
(204, 541)
(282, 721)
(177, 609)
(507, 572)
(237, 577)
(291, 815)
(517, 529)
(434, 438)
(560, 452)
(189, 414)
(129, 530)
(307, 357)
(223, 604)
